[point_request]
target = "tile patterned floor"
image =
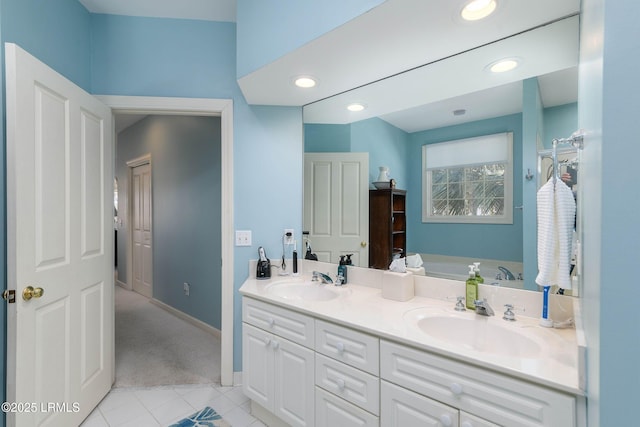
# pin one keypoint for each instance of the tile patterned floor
(162, 406)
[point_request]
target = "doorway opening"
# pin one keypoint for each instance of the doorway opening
(204, 107)
(168, 167)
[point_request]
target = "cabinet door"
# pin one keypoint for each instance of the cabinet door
(331, 411)
(257, 365)
(294, 383)
(401, 407)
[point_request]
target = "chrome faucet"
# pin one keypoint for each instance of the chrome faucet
(507, 274)
(483, 308)
(324, 278)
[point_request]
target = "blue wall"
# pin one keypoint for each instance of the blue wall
(269, 29)
(559, 122)
(609, 110)
(57, 32)
(185, 157)
(319, 138)
(386, 145)
(497, 241)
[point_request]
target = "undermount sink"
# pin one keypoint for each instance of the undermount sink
(477, 333)
(305, 290)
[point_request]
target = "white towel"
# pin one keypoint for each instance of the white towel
(556, 219)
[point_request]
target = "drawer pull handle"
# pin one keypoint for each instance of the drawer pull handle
(275, 344)
(340, 347)
(271, 322)
(341, 384)
(456, 389)
(446, 420)
(466, 424)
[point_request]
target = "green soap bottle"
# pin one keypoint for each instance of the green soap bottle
(476, 268)
(471, 289)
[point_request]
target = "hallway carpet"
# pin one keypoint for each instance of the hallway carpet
(154, 347)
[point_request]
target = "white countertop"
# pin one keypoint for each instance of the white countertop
(363, 308)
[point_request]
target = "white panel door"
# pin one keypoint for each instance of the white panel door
(336, 205)
(60, 240)
(141, 223)
(257, 365)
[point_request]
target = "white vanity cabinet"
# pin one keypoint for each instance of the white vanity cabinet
(278, 370)
(477, 397)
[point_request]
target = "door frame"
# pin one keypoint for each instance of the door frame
(222, 108)
(132, 164)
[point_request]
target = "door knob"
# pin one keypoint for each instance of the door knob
(31, 292)
(363, 244)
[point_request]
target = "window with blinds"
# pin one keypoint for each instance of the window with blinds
(469, 180)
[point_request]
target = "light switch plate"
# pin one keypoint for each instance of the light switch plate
(243, 237)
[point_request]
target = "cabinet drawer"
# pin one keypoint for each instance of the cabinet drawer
(351, 384)
(401, 407)
(332, 411)
(468, 420)
(348, 346)
(491, 396)
(279, 321)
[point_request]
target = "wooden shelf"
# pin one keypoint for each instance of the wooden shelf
(387, 226)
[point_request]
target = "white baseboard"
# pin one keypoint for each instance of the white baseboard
(123, 285)
(184, 316)
(237, 378)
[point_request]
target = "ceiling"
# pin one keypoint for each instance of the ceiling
(404, 35)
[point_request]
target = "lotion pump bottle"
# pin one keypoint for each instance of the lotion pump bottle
(471, 289)
(476, 268)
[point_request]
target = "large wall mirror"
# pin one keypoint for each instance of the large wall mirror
(453, 98)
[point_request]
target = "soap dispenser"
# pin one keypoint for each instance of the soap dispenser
(342, 270)
(471, 289)
(476, 268)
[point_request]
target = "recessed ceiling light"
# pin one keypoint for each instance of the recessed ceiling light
(305, 82)
(478, 9)
(503, 65)
(355, 107)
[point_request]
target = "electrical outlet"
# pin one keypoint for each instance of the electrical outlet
(288, 240)
(186, 287)
(243, 237)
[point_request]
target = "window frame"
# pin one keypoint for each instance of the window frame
(427, 196)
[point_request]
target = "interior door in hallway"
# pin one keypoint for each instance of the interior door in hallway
(59, 245)
(141, 216)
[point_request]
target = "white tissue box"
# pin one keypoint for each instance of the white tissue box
(418, 271)
(397, 286)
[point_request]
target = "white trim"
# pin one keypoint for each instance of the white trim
(189, 319)
(139, 161)
(237, 378)
(203, 107)
(123, 285)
